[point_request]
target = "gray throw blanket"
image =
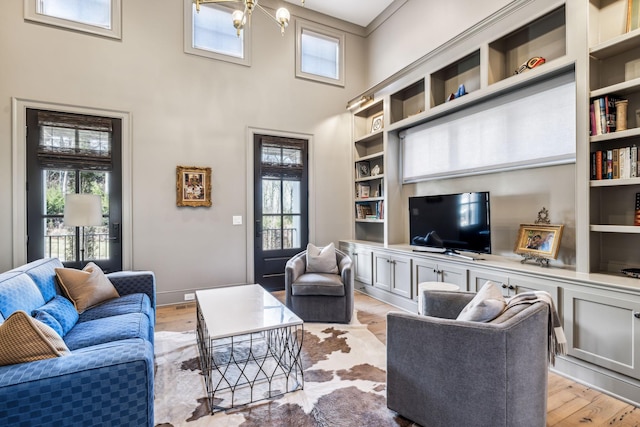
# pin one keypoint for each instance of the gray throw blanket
(557, 339)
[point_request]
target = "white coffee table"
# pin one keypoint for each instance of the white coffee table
(249, 345)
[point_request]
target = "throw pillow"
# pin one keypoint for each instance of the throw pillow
(322, 260)
(87, 287)
(49, 320)
(62, 310)
(25, 339)
(485, 306)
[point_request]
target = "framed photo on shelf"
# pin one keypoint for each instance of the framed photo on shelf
(540, 240)
(193, 186)
(377, 121)
(363, 191)
(363, 169)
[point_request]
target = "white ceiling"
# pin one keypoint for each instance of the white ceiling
(360, 12)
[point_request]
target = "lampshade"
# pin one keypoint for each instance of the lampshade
(81, 210)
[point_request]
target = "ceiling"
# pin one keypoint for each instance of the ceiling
(360, 12)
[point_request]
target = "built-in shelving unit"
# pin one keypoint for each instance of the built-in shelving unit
(593, 296)
(368, 124)
(614, 70)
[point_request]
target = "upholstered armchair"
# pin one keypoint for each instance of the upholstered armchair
(444, 372)
(320, 297)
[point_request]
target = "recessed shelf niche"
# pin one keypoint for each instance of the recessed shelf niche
(408, 102)
(545, 37)
(447, 80)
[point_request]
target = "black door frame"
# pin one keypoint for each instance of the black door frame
(275, 281)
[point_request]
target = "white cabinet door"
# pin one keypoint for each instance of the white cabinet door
(401, 278)
(363, 266)
(455, 275)
(604, 328)
(477, 279)
(423, 271)
(382, 271)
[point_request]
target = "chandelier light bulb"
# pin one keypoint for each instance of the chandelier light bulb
(283, 16)
(239, 19)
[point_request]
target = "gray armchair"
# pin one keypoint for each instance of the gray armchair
(442, 372)
(320, 297)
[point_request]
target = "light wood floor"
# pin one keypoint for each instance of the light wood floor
(569, 403)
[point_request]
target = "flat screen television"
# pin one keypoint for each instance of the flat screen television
(451, 222)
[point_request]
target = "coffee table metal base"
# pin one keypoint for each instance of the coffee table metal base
(248, 368)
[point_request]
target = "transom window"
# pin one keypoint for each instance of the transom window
(211, 33)
(320, 54)
(102, 17)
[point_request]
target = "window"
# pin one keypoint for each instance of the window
(102, 17)
(319, 54)
(211, 33)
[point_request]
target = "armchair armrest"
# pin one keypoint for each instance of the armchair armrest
(444, 304)
(132, 282)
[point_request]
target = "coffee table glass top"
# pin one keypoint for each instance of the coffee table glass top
(237, 310)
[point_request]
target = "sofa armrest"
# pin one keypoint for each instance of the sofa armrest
(133, 282)
(108, 384)
(444, 304)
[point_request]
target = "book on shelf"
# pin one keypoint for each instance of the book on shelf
(602, 113)
(636, 220)
(617, 163)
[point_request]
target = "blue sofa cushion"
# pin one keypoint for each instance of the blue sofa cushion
(42, 272)
(48, 320)
(132, 303)
(18, 292)
(62, 310)
(108, 329)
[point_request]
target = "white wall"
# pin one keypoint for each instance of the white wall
(419, 27)
(185, 110)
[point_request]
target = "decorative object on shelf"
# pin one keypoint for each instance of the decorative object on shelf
(531, 63)
(631, 272)
(363, 170)
(377, 122)
(621, 115)
(193, 186)
(636, 220)
(633, 15)
(375, 171)
(364, 191)
(461, 92)
(539, 241)
(242, 17)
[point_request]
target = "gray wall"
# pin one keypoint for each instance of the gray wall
(419, 27)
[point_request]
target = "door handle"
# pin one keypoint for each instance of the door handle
(115, 232)
(258, 228)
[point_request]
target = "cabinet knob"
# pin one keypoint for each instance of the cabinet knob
(636, 315)
(504, 286)
(512, 287)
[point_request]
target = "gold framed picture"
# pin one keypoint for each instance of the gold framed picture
(193, 186)
(539, 240)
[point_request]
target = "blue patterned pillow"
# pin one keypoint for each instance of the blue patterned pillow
(62, 310)
(48, 320)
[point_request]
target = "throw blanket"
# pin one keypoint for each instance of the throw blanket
(557, 339)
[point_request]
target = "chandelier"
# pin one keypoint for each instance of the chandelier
(242, 17)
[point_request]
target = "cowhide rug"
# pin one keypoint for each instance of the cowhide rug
(344, 384)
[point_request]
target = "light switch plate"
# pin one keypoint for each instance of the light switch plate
(237, 220)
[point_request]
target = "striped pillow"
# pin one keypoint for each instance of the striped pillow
(25, 339)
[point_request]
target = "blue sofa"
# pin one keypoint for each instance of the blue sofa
(106, 379)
